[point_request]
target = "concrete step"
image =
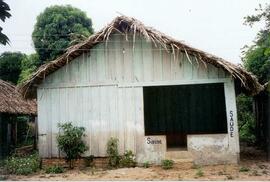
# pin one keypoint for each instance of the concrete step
(182, 160)
(179, 156)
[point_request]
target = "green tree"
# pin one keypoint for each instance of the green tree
(10, 66)
(4, 13)
(257, 57)
(246, 119)
(56, 28)
(28, 66)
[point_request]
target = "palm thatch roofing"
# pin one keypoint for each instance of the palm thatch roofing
(12, 102)
(128, 25)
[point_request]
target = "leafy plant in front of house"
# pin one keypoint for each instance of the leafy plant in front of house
(70, 141)
(22, 165)
(112, 152)
(167, 164)
(128, 159)
(54, 170)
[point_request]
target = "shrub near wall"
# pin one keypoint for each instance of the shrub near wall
(70, 141)
(22, 165)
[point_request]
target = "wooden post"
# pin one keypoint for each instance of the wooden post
(15, 132)
(36, 131)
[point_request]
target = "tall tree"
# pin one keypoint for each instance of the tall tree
(4, 13)
(257, 57)
(10, 66)
(56, 28)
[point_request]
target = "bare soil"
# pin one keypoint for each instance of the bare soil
(253, 166)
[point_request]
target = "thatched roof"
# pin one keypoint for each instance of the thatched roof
(11, 101)
(127, 25)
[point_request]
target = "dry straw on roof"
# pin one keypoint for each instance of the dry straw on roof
(11, 101)
(127, 25)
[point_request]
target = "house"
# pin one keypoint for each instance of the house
(11, 105)
(160, 97)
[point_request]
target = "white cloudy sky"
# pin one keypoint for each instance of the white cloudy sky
(215, 26)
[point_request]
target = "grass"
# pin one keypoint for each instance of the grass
(54, 170)
(167, 164)
(199, 173)
(244, 169)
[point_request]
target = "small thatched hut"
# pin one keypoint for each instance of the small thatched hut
(11, 105)
(159, 96)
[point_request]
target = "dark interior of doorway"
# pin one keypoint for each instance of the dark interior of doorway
(178, 110)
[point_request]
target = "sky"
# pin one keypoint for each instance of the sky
(214, 26)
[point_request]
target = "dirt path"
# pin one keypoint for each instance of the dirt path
(253, 166)
(257, 170)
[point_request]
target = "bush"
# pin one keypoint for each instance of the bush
(54, 170)
(167, 164)
(71, 143)
(22, 165)
(128, 160)
(112, 152)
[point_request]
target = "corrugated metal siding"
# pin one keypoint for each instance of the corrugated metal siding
(124, 61)
(85, 92)
(104, 112)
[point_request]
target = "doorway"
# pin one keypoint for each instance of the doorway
(178, 110)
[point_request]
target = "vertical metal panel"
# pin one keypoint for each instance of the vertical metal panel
(128, 59)
(178, 66)
(157, 62)
(147, 60)
(166, 65)
(138, 60)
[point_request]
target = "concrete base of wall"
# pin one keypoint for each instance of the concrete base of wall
(202, 149)
(211, 149)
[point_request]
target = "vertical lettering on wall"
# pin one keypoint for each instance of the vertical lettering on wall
(231, 124)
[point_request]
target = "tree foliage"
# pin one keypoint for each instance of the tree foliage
(56, 28)
(28, 66)
(70, 141)
(257, 57)
(10, 66)
(4, 13)
(246, 119)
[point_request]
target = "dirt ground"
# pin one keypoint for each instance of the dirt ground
(253, 166)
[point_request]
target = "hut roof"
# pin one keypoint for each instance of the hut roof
(128, 25)
(11, 101)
